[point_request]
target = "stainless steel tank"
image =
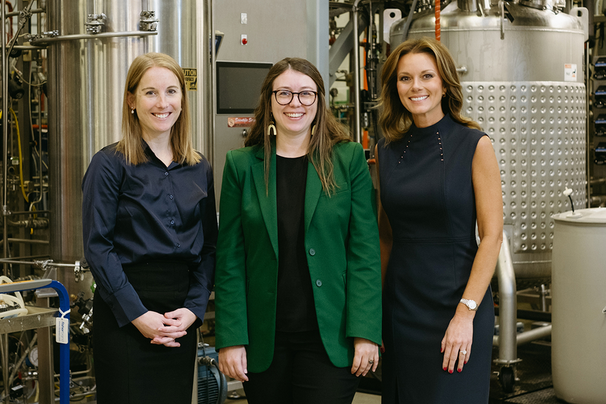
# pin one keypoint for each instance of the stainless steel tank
(522, 80)
(86, 84)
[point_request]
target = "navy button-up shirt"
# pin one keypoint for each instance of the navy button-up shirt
(135, 214)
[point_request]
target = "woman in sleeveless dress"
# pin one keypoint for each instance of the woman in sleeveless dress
(438, 177)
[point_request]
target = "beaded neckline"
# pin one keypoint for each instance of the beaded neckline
(439, 138)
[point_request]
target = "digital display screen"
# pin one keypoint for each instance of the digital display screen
(239, 86)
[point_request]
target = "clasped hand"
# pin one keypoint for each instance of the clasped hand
(165, 329)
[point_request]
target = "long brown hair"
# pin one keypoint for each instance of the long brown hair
(327, 131)
(130, 144)
(395, 118)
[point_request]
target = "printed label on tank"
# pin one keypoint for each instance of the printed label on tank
(570, 72)
(191, 79)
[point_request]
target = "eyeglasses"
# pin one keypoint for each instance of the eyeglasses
(284, 97)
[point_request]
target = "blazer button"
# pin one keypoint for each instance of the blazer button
(318, 283)
(312, 252)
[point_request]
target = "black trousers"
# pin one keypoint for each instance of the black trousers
(301, 373)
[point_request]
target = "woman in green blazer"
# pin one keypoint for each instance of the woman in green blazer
(298, 282)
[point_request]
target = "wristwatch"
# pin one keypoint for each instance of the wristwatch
(471, 304)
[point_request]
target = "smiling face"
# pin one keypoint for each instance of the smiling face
(157, 102)
(293, 119)
(420, 88)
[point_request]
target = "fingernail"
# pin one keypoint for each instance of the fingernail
(465, 363)
(444, 369)
(459, 370)
(450, 371)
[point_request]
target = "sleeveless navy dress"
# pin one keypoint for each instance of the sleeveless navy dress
(427, 194)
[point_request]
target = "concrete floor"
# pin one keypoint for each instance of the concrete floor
(360, 398)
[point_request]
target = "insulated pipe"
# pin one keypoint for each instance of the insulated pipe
(507, 339)
(356, 50)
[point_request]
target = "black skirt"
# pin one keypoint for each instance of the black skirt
(128, 368)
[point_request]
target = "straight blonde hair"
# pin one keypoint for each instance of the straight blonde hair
(180, 137)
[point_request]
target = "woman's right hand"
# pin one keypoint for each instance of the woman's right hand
(232, 362)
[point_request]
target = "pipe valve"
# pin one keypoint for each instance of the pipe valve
(148, 21)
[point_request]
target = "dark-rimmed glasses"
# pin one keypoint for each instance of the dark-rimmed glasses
(285, 97)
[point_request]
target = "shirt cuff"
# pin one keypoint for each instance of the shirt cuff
(126, 305)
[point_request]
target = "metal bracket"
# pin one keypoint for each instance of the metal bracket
(95, 23)
(148, 21)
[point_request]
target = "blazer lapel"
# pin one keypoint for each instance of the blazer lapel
(313, 190)
(267, 200)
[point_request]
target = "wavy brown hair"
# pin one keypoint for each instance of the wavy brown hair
(180, 137)
(327, 132)
(395, 119)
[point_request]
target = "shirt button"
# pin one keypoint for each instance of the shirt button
(318, 283)
(172, 222)
(312, 252)
(166, 173)
(178, 245)
(171, 197)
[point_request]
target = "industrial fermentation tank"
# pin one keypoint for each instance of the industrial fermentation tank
(578, 351)
(521, 69)
(91, 45)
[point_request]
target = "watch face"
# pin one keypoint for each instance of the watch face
(472, 305)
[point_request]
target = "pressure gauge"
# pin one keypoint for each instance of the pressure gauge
(33, 356)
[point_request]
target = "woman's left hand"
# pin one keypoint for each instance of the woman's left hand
(182, 319)
(456, 344)
(366, 357)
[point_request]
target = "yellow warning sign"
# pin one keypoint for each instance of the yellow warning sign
(191, 79)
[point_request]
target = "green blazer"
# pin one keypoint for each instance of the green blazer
(342, 245)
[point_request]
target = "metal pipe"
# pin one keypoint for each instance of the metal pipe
(543, 298)
(42, 264)
(4, 134)
(22, 359)
(24, 15)
(587, 129)
(35, 11)
(508, 351)
(40, 92)
(409, 20)
(29, 212)
(528, 336)
(4, 350)
(356, 64)
(597, 181)
(75, 37)
(26, 241)
(25, 47)
(598, 200)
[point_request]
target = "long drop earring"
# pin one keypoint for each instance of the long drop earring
(313, 130)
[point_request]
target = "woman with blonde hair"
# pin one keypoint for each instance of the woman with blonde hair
(438, 176)
(298, 285)
(150, 231)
